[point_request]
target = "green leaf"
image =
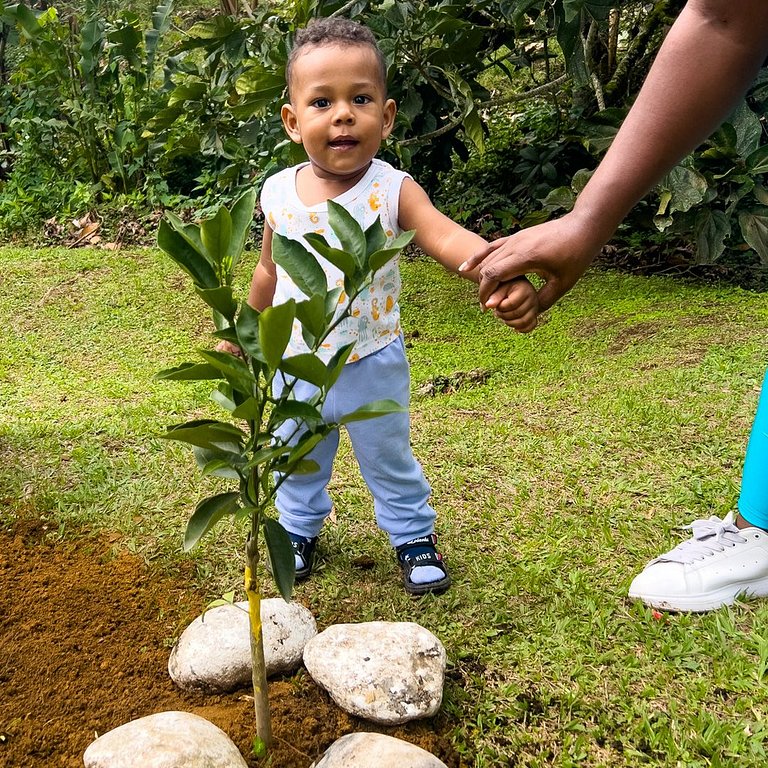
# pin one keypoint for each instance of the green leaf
(189, 372)
(305, 445)
(177, 246)
(220, 468)
(263, 455)
(473, 128)
(300, 264)
(297, 411)
(204, 457)
(207, 513)
(754, 230)
(375, 237)
(234, 369)
(275, 328)
(337, 362)
(26, 18)
(219, 299)
(385, 255)
(373, 410)
(247, 327)
(312, 315)
(207, 433)
(686, 186)
(349, 232)
(748, 129)
(216, 234)
(711, 229)
(281, 557)
(340, 259)
(249, 410)
(757, 162)
(242, 218)
(306, 367)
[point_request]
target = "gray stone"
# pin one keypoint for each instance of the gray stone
(365, 750)
(164, 740)
(387, 672)
(214, 652)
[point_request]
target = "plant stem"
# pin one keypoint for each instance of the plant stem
(258, 663)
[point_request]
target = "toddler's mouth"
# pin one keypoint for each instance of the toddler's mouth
(343, 142)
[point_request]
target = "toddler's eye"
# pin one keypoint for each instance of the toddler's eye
(321, 103)
(362, 99)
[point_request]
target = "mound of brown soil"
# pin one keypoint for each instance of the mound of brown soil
(85, 633)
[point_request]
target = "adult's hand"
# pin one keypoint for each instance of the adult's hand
(558, 251)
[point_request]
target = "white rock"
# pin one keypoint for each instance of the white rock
(214, 651)
(164, 740)
(364, 750)
(388, 672)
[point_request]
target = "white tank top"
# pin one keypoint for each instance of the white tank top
(375, 320)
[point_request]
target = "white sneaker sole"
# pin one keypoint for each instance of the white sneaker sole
(709, 601)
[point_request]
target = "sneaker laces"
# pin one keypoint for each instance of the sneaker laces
(709, 537)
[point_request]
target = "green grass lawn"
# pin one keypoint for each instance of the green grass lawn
(556, 476)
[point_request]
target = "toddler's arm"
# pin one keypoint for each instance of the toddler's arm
(442, 238)
(516, 301)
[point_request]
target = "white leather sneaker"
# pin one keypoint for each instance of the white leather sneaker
(709, 570)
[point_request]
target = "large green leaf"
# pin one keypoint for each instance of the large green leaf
(340, 259)
(219, 299)
(754, 230)
(207, 433)
(207, 513)
(373, 410)
(192, 261)
(349, 232)
(275, 327)
(300, 264)
(189, 372)
(247, 326)
(281, 559)
(306, 367)
(216, 234)
(242, 218)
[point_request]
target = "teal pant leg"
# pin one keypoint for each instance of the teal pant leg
(753, 501)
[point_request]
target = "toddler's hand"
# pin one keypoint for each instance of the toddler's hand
(516, 303)
(228, 346)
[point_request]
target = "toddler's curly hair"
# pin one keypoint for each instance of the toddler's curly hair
(333, 31)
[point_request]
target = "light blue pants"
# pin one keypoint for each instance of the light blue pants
(753, 501)
(382, 449)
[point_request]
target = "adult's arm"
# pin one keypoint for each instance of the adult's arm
(707, 61)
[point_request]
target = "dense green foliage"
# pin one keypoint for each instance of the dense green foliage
(504, 108)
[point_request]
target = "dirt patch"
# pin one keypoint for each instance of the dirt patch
(85, 633)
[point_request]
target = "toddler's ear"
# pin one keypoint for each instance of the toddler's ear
(390, 110)
(290, 123)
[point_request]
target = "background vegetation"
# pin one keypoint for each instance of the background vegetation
(505, 107)
(561, 462)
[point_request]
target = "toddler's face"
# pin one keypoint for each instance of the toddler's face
(338, 110)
